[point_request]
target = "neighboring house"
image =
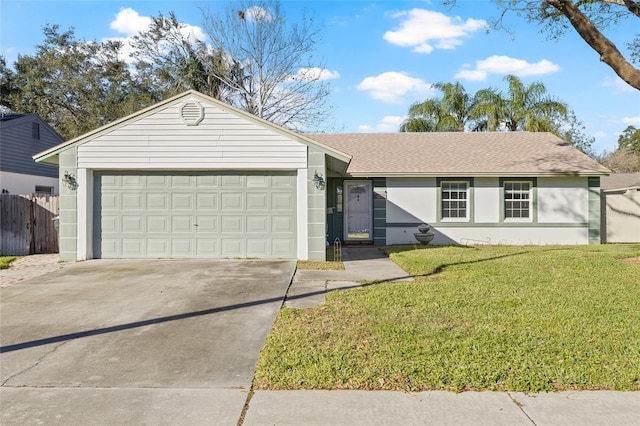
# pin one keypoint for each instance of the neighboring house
(621, 208)
(22, 136)
(191, 177)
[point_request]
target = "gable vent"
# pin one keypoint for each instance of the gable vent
(192, 113)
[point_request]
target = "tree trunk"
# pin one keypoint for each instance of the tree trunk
(608, 51)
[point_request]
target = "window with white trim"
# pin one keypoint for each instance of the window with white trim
(455, 200)
(517, 200)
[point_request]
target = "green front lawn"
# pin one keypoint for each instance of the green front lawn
(5, 261)
(493, 317)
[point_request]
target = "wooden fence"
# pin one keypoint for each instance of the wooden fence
(26, 224)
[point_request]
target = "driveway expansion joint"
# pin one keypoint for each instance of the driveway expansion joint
(521, 408)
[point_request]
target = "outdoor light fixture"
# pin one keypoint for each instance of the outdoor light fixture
(70, 181)
(318, 181)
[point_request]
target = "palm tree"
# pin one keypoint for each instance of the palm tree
(449, 113)
(527, 108)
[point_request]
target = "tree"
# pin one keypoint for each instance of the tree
(526, 108)
(449, 113)
(174, 60)
(622, 160)
(254, 59)
(630, 139)
(72, 84)
(274, 74)
(590, 19)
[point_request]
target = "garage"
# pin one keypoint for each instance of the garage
(142, 214)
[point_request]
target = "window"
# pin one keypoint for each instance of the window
(517, 200)
(35, 130)
(454, 200)
(40, 189)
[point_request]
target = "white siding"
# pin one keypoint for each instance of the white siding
(495, 235)
(486, 200)
(563, 200)
(411, 200)
(221, 141)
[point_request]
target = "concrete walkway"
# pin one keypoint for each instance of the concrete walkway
(361, 263)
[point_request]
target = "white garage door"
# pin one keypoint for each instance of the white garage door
(194, 215)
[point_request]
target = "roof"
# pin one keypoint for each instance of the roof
(617, 181)
(461, 154)
(50, 155)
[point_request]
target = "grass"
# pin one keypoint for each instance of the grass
(5, 261)
(329, 265)
(484, 318)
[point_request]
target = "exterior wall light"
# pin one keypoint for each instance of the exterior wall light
(70, 181)
(318, 181)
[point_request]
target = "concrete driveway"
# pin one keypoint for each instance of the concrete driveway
(136, 342)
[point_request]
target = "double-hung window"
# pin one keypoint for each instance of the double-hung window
(517, 200)
(455, 200)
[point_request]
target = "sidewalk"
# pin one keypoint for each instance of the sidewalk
(344, 407)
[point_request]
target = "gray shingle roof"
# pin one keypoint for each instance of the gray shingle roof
(620, 181)
(460, 154)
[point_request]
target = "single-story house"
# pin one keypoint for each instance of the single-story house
(191, 177)
(621, 208)
(22, 136)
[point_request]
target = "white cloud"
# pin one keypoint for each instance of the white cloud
(426, 30)
(390, 123)
(391, 87)
(631, 121)
(316, 73)
(506, 65)
(256, 13)
(129, 22)
(600, 135)
(618, 85)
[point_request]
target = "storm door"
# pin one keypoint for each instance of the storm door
(358, 211)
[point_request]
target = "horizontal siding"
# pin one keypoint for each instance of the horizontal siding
(18, 146)
(221, 141)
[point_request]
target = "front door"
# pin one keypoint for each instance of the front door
(358, 216)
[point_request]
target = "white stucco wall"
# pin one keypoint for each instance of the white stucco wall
(563, 200)
(623, 217)
(21, 184)
(412, 200)
(487, 200)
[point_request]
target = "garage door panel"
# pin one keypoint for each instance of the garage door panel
(181, 224)
(231, 224)
(232, 247)
(282, 201)
(133, 247)
(194, 214)
(132, 202)
(257, 224)
(158, 225)
(182, 247)
(207, 247)
(207, 224)
(182, 201)
(157, 201)
(157, 247)
(257, 247)
(132, 224)
(283, 224)
(231, 201)
(207, 201)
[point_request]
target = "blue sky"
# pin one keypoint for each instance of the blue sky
(381, 56)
